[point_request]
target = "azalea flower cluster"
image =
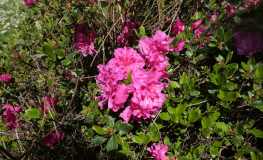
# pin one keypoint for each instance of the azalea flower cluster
(195, 26)
(125, 38)
(145, 88)
(12, 114)
(7, 78)
(250, 2)
(53, 138)
(158, 151)
(49, 103)
(84, 40)
(29, 3)
(248, 43)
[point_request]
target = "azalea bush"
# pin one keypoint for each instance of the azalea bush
(162, 80)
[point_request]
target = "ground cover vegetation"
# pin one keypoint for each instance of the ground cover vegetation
(151, 79)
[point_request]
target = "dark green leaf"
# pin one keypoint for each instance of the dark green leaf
(259, 71)
(112, 145)
(125, 128)
(194, 115)
(99, 130)
(48, 50)
(65, 62)
(180, 108)
(137, 139)
(200, 57)
(110, 122)
(60, 53)
(222, 126)
(122, 153)
(98, 140)
(256, 132)
(165, 116)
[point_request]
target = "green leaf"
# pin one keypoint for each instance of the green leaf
(141, 135)
(40, 113)
(175, 84)
(137, 139)
(119, 139)
(206, 122)
(229, 56)
(213, 151)
(110, 122)
(165, 116)
(71, 55)
(200, 57)
(181, 108)
(221, 32)
(253, 156)
(147, 139)
(194, 93)
(259, 71)
(125, 128)
(218, 143)
(206, 134)
(237, 20)
(32, 113)
(142, 32)
(256, 132)
(51, 82)
(48, 50)
(99, 130)
(228, 35)
(129, 77)
(194, 115)
(60, 53)
(98, 139)
(201, 149)
(171, 110)
(188, 54)
(212, 45)
(222, 126)
(65, 62)
(214, 79)
(122, 153)
(184, 123)
(112, 145)
(184, 79)
(38, 25)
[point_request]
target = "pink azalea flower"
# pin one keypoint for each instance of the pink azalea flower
(248, 43)
(212, 17)
(91, 1)
(229, 9)
(178, 27)
(48, 103)
(179, 46)
(29, 3)
(113, 92)
(153, 49)
(125, 38)
(196, 25)
(147, 97)
(127, 59)
(7, 78)
(69, 75)
(16, 54)
(52, 138)
(11, 114)
(200, 31)
(158, 151)
(84, 41)
(250, 2)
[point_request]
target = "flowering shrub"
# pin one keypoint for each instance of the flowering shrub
(88, 79)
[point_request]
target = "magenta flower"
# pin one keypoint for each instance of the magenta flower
(69, 75)
(84, 41)
(178, 27)
(125, 38)
(212, 17)
(248, 43)
(52, 138)
(229, 9)
(179, 46)
(11, 114)
(153, 50)
(147, 97)
(250, 2)
(127, 60)
(113, 92)
(29, 3)
(91, 1)
(158, 151)
(7, 78)
(48, 103)
(196, 25)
